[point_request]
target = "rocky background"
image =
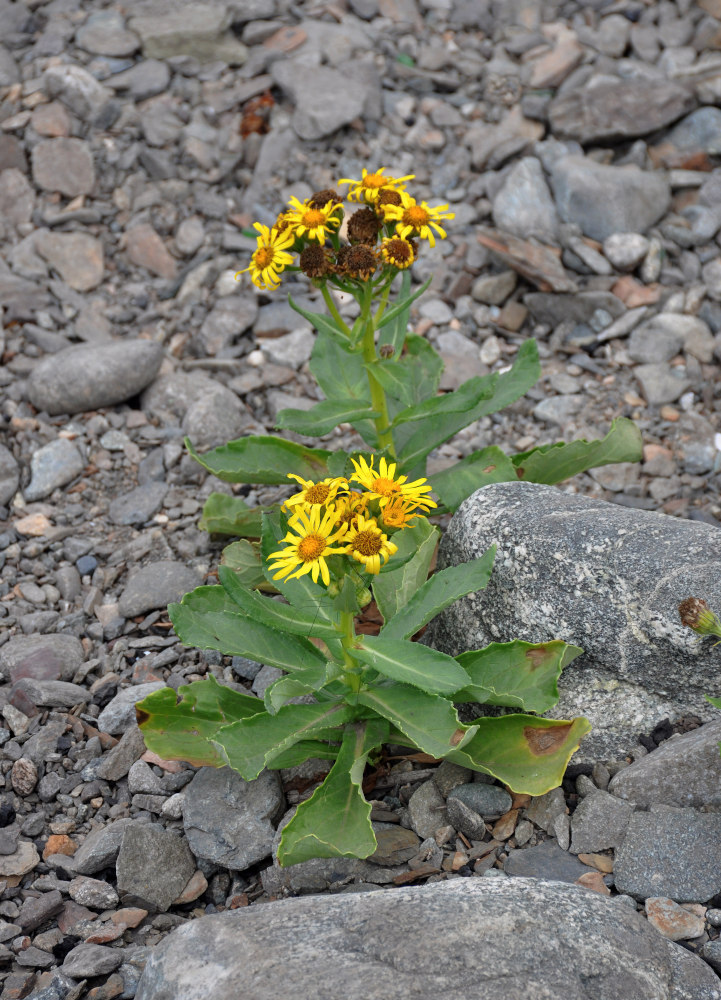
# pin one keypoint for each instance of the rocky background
(577, 143)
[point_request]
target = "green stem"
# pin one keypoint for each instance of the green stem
(352, 675)
(378, 396)
(382, 306)
(333, 310)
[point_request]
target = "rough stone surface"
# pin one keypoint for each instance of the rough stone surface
(77, 257)
(153, 867)
(599, 822)
(156, 586)
(119, 713)
(640, 663)
(64, 165)
(52, 466)
(325, 98)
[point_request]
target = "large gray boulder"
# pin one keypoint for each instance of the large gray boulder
(496, 939)
(603, 577)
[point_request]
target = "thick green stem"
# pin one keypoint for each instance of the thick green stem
(378, 396)
(352, 675)
(333, 310)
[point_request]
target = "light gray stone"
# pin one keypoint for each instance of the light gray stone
(119, 713)
(53, 465)
(9, 475)
(104, 34)
(91, 960)
(77, 89)
(315, 944)
(157, 585)
(93, 893)
(153, 867)
(64, 165)
(599, 822)
(524, 206)
(139, 505)
(326, 99)
(427, 810)
(52, 694)
(701, 130)
(200, 31)
(693, 980)
(230, 821)
(465, 819)
(600, 576)
(99, 849)
(661, 383)
(625, 250)
(31, 655)
(490, 801)
(116, 763)
(545, 861)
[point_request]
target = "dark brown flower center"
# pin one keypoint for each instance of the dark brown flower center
(321, 198)
(389, 197)
(368, 543)
(361, 261)
(314, 261)
(363, 226)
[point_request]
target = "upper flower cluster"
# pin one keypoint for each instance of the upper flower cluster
(329, 518)
(379, 239)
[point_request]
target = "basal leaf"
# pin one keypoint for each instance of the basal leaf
(224, 515)
(302, 751)
(325, 416)
(716, 702)
(300, 682)
(552, 463)
(437, 593)
(411, 663)
(178, 726)
(455, 484)
(262, 458)
(429, 720)
(244, 560)
(393, 588)
(516, 674)
(208, 598)
(465, 398)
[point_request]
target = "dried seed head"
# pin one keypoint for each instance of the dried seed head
(314, 261)
(360, 261)
(387, 196)
(363, 226)
(386, 351)
(321, 198)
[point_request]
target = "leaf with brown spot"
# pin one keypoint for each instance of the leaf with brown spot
(545, 741)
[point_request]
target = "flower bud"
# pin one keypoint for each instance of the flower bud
(363, 596)
(697, 615)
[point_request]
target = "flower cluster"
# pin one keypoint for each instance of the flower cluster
(330, 518)
(378, 240)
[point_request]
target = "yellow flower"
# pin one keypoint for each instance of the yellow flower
(313, 221)
(418, 218)
(368, 545)
(385, 485)
(349, 507)
(397, 252)
(315, 494)
(307, 549)
(370, 185)
(270, 259)
(397, 513)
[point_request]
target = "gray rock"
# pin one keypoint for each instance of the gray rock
(99, 849)
(52, 694)
(87, 960)
(465, 819)
(93, 893)
(618, 109)
(201, 33)
(64, 165)
(17, 198)
(682, 771)
(490, 801)
(9, 836)
(9, 475)
(292, 349)
(558, 409)
(50, 656)
(314, 943)
(36, 910)
(139, 505)
(660, 383)
(78, 90)
(232, 316)
(9, 72)
(78, 259)
(555, 308)
(693, 980)
(143, 80)
(640, 663)
(119, 713)
(230, 821)
(325, 99)
(625, 250)
(599, 822)
(545, 861)
(88, 377)
(701, 130)
(662, 337)
(215, 418)
(153, 866)
(524, 206)
(155, 586)
(711, 951)
(116, 763)
(396, 845)
(174, 394)
(543, 810)
(670, 852)
(104, 34)
(427, 810)
(53, 465)
(141, 778)
(604, 200)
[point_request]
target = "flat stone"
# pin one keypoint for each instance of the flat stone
(146, 249)
(78, 90)
(465, 819)
(87, 377)
(174, 394)
(230, 821)
(153, 866)
(625, 250)
(396, 845)
(640, 663)
(254, 950)
(543, 810)
(143, 80)
(325, 99)
(9, 475)
(77, 257)
(22, 861)
(660, 383)
(116, 763)
(37, 909)
(156, 586)
(52, 657)
(558, 409)
(93, 893)
(545, 861)
(672, 920)
(657, 340)
(87, 960)
(683, 771)
(701, 130)
(99, 849)
(599, 822)
(52, 466)
(489, 801)
(17, 198)
(104, 34)
(427, 810)
(139, 505)
(216, 418)
(119, 713)
(64, 165)
(670, 852)
(12, 154)
(201, 33)
(523, 205)
(51, 120)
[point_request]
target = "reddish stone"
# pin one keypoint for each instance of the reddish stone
(72, 914)
(42, 665)
(59, 843)
(130, 916)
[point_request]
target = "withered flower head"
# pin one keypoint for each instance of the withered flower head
(387, 196)
(315, 261)
(360, 261)
(398, 252)
(697, 615)
(363, 226)
(321, 198)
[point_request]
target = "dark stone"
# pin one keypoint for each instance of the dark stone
(546, 861)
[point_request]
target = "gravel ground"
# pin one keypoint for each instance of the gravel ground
(581, 140)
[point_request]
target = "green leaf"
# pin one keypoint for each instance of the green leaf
(224, 515)
(552, 463)
(322, 322)
(716, 702)
(338, 370)
(403, 306)
(302, 751)
(394, 587)
(528, 754)
(411, 663)
(302, 593)
(335, 821)
(516, 674)
(300, 682)
(236, 635)
(395, 332)
(262, 459)
(455, 484)
(437, 593)
(208, 598)
(509, 386)
(248, 749)
(181, 729)
(461, 400)
(243, 559)
(415, 377)
(430, 721)
(273, 613)
(325, 416)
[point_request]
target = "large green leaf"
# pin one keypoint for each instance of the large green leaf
(552, 463)
(394, 333)
(237, 635)
(262, 458)
(490, 465)
(300, 682)
(528, 754)
(338, 370)
(437, 593)
(302, 751)
(411, 663)
(516, 674)
(428, 720)
(302, 593)
(509, 386)
(224, 515)
(463, 399)
(273, 613)
(716, 702)
(393, 588)
(325, 416)
(335, 821)
(248, 749)
(244, 560)
(413, 378)
(208, 598)
(181, 728)
(322, 322)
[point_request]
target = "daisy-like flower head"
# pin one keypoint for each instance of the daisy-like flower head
(369, 186)
(368, 544)
(398, 252)
(271, 258)
(419, 219)
(398, 513)
(315, 494)
(696, 614)
(308, 543)
(314, 221)
(388, 201)
(348, 508)
(385, 486)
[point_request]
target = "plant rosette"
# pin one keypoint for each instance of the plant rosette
(336, 543)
